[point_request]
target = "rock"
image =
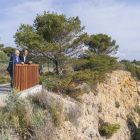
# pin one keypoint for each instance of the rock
(90, 109)
(91, 133)
(138, 89)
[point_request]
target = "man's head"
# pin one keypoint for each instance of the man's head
(25, 52)
(16, 53)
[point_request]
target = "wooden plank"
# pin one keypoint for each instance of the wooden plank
(19, 77)
(21, 80)
(26, 77)
(37, 74)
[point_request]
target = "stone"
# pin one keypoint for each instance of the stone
(91, 133)
(138, 89)
(90, 109)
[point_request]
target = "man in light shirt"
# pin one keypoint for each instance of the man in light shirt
(23, 57)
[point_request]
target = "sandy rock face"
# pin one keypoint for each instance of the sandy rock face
(119, 88)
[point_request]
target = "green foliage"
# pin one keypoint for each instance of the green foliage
(109, 129)
(72, 114)
(135, 71)
(137, 109)
(117, 104)
(68, 83)
(100, 108)
(124, 61)
(5, 135)
(56, 113)
(4, 80)
(53, 37)
(9, 51)
(137, 136)
(102, 44)
(38, 118)
(129, 118)
(117, 115)
(136, 62)
(101, 63)
(3, 56)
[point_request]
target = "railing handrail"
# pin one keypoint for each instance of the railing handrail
(26, 65)
(6, 61)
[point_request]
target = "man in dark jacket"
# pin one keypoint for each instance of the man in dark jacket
(16, 60)
(23, 57)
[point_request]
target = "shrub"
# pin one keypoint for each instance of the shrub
(38, 118)
(5, 135)
(4, 80)
(103, 63)
(109, 129)
(117, 115)
(73, 113)
(56, 113)
(117, 104)
(3, 56)
(86, 87)
(137, 136)
(137, 109)
(100, 108)
(135, 71)
(68, 83)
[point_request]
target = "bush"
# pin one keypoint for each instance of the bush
(137, 109)
(56, 113)
(54, 108)
(137, 136)
(4, 80)
(100, 108)
(5, 135)
(135, 71)
(68, 84)
(3, 56)
(109, 129)
(103, 63)
(117, 104)
(73, 113)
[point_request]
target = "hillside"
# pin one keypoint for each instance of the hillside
(111, 112)
(115, 103)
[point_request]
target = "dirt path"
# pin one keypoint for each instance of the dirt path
(3, 90)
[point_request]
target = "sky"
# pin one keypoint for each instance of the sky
(119, 19)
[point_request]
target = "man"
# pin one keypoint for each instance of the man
(16, 60)
(23, 57)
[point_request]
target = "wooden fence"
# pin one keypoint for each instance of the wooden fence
(26, 76)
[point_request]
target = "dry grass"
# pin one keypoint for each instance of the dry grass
(45, 69)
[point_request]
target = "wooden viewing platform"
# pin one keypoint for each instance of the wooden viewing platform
(26, 76)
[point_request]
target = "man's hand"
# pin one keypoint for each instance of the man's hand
(22, 63)
(30, 62)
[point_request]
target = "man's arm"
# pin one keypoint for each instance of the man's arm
(26, 62)
(19, 62)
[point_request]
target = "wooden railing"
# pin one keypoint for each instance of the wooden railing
(26, 76)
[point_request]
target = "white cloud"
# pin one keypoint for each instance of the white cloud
(24, 13)
(116, 19)
(119, 54)
(120, 20)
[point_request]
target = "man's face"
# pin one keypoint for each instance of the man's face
(17, 53)
(25, 53)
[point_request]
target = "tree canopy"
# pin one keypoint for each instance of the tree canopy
(102, 44)
(3, 56)
(9, 51)
(53, 37)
